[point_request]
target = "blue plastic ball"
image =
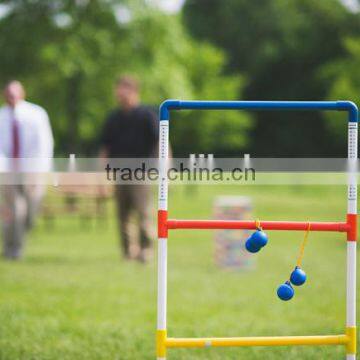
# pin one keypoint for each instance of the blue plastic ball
(285, 291)
(298, 277)
(250, 246)
(259, 238)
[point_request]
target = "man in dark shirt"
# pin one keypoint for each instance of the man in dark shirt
(131, 132)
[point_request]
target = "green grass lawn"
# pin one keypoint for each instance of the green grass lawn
(72, 297)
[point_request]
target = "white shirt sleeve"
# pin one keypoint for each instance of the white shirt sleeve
(44, 144)
(43, 141)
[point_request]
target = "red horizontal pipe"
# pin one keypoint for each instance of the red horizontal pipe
(251, 225)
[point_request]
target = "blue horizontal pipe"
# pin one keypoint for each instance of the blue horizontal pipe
(348, 106)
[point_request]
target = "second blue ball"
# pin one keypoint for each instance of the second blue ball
(251, 247)
(298, 276)
(285, 291)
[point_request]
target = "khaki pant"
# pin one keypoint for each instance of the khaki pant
(20, 204)
(134, 200)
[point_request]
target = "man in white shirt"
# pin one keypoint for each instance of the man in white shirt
(25, 133)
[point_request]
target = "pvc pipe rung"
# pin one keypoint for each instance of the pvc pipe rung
(251, 225)
(258, 341)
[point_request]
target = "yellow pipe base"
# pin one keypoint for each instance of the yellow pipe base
(161, 344)
(259, 341)
(351, 345)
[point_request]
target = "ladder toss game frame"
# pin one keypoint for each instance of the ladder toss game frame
(349, 227)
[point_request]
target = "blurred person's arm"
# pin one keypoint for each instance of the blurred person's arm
(40, 145)
(41, 142)
(105, 138)
(45, 140)
(39, 148)
(105, 143)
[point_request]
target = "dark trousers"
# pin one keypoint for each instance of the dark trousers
(134, 200)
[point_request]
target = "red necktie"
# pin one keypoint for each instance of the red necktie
(15, 138)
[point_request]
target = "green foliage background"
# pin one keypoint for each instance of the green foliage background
(69, 53)
(284, 49)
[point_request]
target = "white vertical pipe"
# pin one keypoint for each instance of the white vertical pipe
(352, 167)
(351, 245)
(162, 283)
(162, 242)
(163, 164)
(351, 284)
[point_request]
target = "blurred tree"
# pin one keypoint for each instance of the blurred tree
(280, 46)
(70, 52)
(344, 76)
